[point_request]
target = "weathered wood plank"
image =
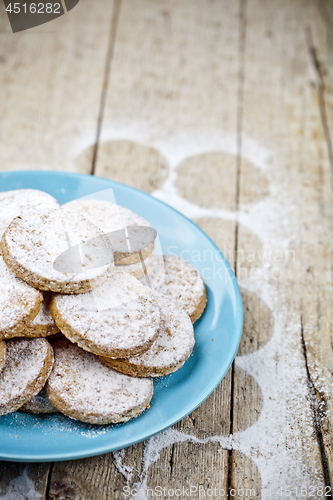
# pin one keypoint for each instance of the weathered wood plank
(51, 82)
(281, 112)
(173, 87)
(23, 481)
(96, 478)
(159, 109)
(317, 309)
(160, 87)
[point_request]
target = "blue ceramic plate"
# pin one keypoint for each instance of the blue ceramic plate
(217, 333)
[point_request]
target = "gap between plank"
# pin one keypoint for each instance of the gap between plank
(48, 482)
(321, 94)
(105, 85)
(240, 102)
(316, 416)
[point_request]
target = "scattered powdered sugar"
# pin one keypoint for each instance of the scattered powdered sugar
(21, 488)
(126, 471)
(17, 299)
(283, 440)
(87, 388)
(125, 317)
(177, 280)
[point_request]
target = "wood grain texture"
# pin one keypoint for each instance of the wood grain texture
(291, 126)
(187, 79)
(51, 82)
(157, 94)
(95, 478)
(166, 53)
(317, 313)
(23, 481)
(51, 79)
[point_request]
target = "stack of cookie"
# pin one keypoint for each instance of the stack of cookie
(87, 339)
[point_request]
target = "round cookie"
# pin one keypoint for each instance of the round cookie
(181, 282)
(19, 303)
(39, 404)
(84, 388)
(15, 203)
(2, 354)
(170, 350)
(117, 319)
(28, 364)
(43, 325)
(136, 269)
(111, 217)
(33, 243)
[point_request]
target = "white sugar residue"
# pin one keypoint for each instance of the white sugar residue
(125, 470)
(93, 433)
(20, 488)
(153, 447)
(282, 442)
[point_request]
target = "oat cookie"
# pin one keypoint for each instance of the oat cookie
(15, 203)
(28, 364)
(2, 354)
(39, 404)
(119, 318)
(181, 282)
(84, 388)
(32, 243)
(19, 303)
(111, 217)
(43, 325)
(170, 350)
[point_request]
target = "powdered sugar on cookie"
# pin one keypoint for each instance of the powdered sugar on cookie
(15, 203)
(181, 283)
(28, 365)
(19, 303)
(119, 318)
(82, 387)
(170, 350)
(110, 217)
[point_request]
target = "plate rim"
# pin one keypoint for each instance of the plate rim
(100, 450)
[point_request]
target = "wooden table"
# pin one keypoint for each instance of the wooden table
(223, 109)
